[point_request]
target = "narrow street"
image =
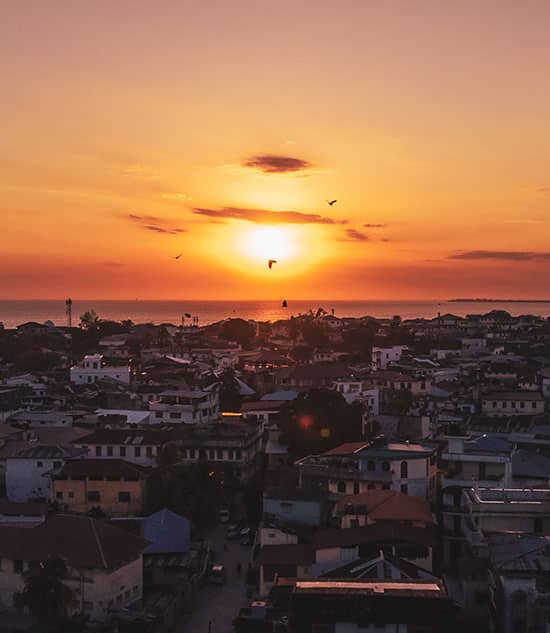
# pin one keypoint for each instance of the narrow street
(219, 604)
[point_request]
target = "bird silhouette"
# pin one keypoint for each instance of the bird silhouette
(270, 263)
(187, 315)
(285, 304)
(178, 256)
(331, 202)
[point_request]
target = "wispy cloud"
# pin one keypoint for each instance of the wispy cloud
(179, 197)
(544, 189)
(511, 256)
(264, 216)
(375, 226)
(154, 223)
(276, 164)
(352, 235)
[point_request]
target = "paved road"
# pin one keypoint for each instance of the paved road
(219, 604)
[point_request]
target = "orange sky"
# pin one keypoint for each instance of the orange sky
(133, 131)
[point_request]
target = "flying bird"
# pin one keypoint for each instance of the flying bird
(331, 202)
(187, 315)
(270, 263)
(178, 256)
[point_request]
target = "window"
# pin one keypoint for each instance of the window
(404, 470)
(211, 453)
(93, 496)
(59, 495)
(385, 466)
(174, 415)
(537, 526)
(522, 405)
(158, 414)
(533, 405)
(57, 464)
(404, 489)
(355, 487)
(342, 486)
(137, 451)
(124, 497)
(192, 453)
(109, 451)
(122, 451)
(494, 405)
(70, 494)
(39, 464)
(371, 465)
(219, 453)
(17, 566)
(98, 451)
(238, 455)
(385, 486)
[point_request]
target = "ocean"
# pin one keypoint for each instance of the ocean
(12, 312)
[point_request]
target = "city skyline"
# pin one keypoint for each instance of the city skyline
(220, 131)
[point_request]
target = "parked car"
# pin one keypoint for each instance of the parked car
(233, 532)
(246, 536)
(217, 575)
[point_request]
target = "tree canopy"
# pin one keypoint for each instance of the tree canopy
(318, 420)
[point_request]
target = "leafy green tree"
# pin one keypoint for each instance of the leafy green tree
(239, 331)
(46, 594)
(318, 420)
(230, 397)
(314, 333)
(302, 353)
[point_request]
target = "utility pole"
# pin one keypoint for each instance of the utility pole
(69, 312)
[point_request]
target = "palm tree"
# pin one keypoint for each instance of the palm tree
(47, 596)
(89, 320)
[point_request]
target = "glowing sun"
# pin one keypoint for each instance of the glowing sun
(269, 242)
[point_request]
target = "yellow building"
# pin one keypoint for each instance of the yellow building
(117, 487)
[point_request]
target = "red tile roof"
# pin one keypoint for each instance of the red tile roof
(347, 449)
(389, 505)
(82, 541)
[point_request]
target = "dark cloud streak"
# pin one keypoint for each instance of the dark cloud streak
(510, 256)
(264, 216)
(276, 164)
(353, 235)
(155, 224)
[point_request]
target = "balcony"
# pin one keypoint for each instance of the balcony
(332, 472)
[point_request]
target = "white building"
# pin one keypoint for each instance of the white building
(382, 356)
(93, 369)
(506, 403)
(187, 406)
(138, 446)
(104, 562)
(27, 473)
(360, 391)
(356, 467)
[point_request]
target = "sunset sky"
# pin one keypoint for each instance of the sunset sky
(134, 131)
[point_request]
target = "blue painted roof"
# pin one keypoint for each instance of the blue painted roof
(489, 443)
(530, 464)
(281, 395)
(168, 532)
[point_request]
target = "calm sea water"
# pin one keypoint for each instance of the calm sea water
(13, 313)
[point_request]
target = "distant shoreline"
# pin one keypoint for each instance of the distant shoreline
(499, 300)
